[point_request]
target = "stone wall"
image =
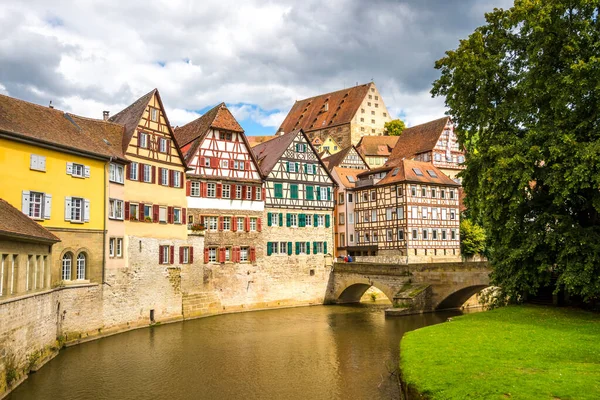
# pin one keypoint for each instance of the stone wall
(87, 241)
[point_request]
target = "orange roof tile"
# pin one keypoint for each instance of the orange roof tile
(15, 224)
(376, 145)
(419, 139)
(344, 173)
(256, 140)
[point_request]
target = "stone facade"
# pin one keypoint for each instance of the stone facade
(75, 242)
(24, 268)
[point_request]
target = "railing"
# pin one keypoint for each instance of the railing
(367, 182)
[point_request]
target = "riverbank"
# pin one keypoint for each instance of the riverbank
(524, 352)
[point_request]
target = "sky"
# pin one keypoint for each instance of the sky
(258, 57)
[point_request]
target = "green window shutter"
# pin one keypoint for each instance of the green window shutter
(269, 219)
(287, 165)
(280, 219)
(297, 167)
(278, 190)
(288, 220)
(297, 248)
(294, 191)
(325, 247)
(307, 247)
(314, 247)
(310, 194)
(327, 220)
(328, 193)
(269, 249)
(306, 168)
(318, 190)
(304, 148)
(315, 220)
(289, 248)
(297, 147)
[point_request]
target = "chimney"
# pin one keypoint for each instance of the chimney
(105, 115)
(50, 105)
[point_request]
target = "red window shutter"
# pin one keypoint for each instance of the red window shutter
(160, 175)
(220, 223)
(171, 254)
(252, 254)
(160, 254)
(231, 163)
(171, 178)
(232, 194)
(222, 254)
(219, 190)
(153, 174)
(263, 194)
(238, 254)
(142, 214)
(244, 192)
(139, 137)
(191, 255)
(170, 215)
(202, 220)
(247, 224)
(126, 211)
(206, 255)
(259, 224)
(254, 189)
(234, 224)
(169, 146)
(184, 216)
(128, 171)
(202, 161)
(204, 188)
(180, 255)
(188, 188)
(141, 167)
(155, 213)
(181, 178)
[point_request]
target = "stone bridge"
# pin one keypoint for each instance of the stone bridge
(412, 288)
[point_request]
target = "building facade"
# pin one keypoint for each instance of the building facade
(224, 188)
(345, 115)
(376, 150)
(299, 204)
(346, 158)
(345, 235)
(409, 210)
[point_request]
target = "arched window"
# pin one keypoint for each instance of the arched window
(67, 261)
(81, 266)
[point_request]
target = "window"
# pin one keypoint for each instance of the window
(362, 120)
(309, 220)
(238, 165)
(432, 173)
(133, 171)
(37, 162)
(111, 247)
(240, 224)
(227, 253)
(213, 223)
(372, 121)
(452, 234)
(81, 266)
(293, 220)
(195, 189)
(367, 237)
(370, 97)
(417, 172)
(165, 250)
(444, 214)
(434, 235)
(258, 193)
(36, 205)
(154, 114)
(77, 170)
(414, 213)
(400, 234)
(451, 192)
(414, 234)
(437, 157)
(373, 215)
(424, 234)
(400, 212)
(176, 216)
(164, 177)
(461, 159)
(207, 162)
(362, 110)
(116, 173)
(388, 214)
(147, 173)
(373, 195)
(442, 194)
(341, 198)
(369, 103)
(162, 145)
(225, 164)
(253, 224)
(413, 191)
(162, 214)
(350, 218)
(443, 234)
(67, 261)
(115, 209)
(292, 167)
(176, 179)
(362, 128)
(318, 247)
(423, 192)
(185, 255)
(228, 136)
(133, 212)
(77, 209)
(212, 254)
(248, 192)
(452, 214)
(301, 248)
(424, 212)
(350, 196)
(433, 193)
(226, 223)
(147, 212)
(143, 140)
(389, 235)
(226, 191)
(119, 247)
(238, 192)
(278, 190)
(376, 105)
(342, 239)
(320, 221)
(342, 218)
(375, 237)
(372, 113)
(300, 147)
(211, 189)
(243, 254)
(324, 193)
(434, 213)
(274, 219)
(376, 97)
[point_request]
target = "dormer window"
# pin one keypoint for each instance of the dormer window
(417, 172)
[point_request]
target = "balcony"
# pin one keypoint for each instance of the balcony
(367, 182)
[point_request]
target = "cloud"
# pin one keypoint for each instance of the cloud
(257, 56)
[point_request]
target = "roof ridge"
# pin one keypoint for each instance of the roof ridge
(334, 92)
(133, 104)
(52, 109)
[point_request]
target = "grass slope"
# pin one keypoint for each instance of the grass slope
(520, 352)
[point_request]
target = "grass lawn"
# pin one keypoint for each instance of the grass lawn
(520, 352)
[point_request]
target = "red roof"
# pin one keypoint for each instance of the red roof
(405, 170)
(418, 139)
(376, 145)
(15, 224)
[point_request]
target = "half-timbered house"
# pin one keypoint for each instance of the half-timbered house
(224, 188)
(410, 208)
(345, 236)
(434, 142)
(346, 158)
(376, 150)
(299, 202)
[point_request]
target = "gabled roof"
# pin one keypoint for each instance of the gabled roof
(53, 128)
(193, 133)
(110, 133)
(256, 140)
(130, 116)
(15, 224)
(310, 114)
(376, 145)
(337, 158)
(404, 171)
(344, 173)
(419, 139)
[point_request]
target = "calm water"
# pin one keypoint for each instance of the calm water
(322, 352)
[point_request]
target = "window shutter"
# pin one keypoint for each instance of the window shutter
(234, 224)
(263, 194)
(220, 223)
(222, 254)
(297, 167)
(306, 168)
(153, 174)
(171, 254)
(219, 190)
(252, 254)
(232, 192)
(315, 220)
(86, 210)
(269, 219)
(325, 247)
(280, 219)
(307, 247)
(180, 255)
(155, 213)
(181, 178)
(160, 254)
(86, 170)
(168, 146)
(184, 216)
(288, 220)
(297, 248)
(253, 192)
(139, 136)
(202, 161)
(206, 255)
(328, 193)
(25, 202)
(172, 178)
(127, 171)
(247, 165)
(142, 172)
(244, 192)
(188, 188)
(269, 248)
(314, 247)
(287, 166)
(318, 190)
(289, 248)
(191, 260)
(259, 224)
(69, 168)
(126, 211)
(47, 205)
(33, 161)
(170, 215)
(204, 189)
(247, 224)
(67, 208)
(214, 162)
(301, 220)
(327, 220)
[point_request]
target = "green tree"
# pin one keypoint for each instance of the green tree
(524, 90)
(472, 238)
(394, 127)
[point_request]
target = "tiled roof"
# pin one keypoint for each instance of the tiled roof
(189, 137)
(52, 127)
(310, 114)
(110, 133)
(404, 171)
(344, 173)
(14, 223)
(256, 140)
(130, 117)
(337, 158)
(376, 145)
(418, 139)
(268, 153)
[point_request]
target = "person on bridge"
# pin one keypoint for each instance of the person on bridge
(349, 258)
(345, 258)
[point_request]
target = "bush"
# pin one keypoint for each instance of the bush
(472, 238)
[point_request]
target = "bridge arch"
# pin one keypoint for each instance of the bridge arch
(457, 298)
(351, 291)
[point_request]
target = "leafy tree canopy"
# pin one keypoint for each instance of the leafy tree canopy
(524, 90)
(472, 238)
(394, 127)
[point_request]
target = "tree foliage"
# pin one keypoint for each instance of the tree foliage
(524, 90)
(472, 238)
(394, 127)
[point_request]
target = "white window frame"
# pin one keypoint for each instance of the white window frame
(212, 254)
(213, 223)
(274, 219)
(238, 192)
(195, 189)
(283, 248)
(81, 266)
(324, 194)
(162, 145)
(258, 192)
(166, 254)
(154, 114)
(185, 255)
(119, 247)
(33, 196)
(143, 140)
(253, 224)
(226, 223)
(320, 221)
(113, 209)
(147, 173)
(66, 264)
(302, 247)
(77, 203)
(294, 220)
(177, 215)
(226, 191)
(164, 177)
(111, 247)
(176, 179)
(78, 170)
(249, 190)
(239, 224)
(211, 189)
(116, 173)
(133, 171)
(244, 254)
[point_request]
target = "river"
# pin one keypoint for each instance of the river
(321, 352)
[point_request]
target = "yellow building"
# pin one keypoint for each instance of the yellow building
(329, 145)
(53, 169)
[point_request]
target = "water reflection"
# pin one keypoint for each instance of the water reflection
(322, 352)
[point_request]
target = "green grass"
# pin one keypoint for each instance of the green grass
(519, 352)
